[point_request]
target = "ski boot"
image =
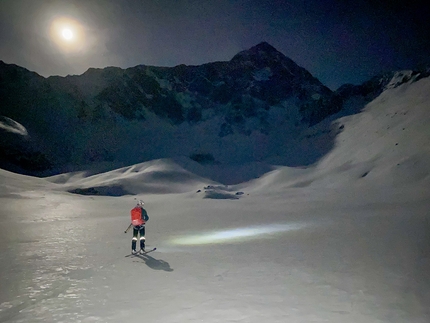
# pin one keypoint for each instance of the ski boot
(133, 246)
(142, 244)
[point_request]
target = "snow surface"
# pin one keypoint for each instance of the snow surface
(12, 126)
(347, 240)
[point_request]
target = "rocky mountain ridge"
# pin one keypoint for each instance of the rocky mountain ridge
(256, 107)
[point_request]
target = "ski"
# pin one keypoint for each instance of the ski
(143, 252)
(140, 252)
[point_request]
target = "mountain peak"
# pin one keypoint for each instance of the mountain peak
(259, 52)
(263, 46)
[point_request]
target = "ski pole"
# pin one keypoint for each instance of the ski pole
(128, 228)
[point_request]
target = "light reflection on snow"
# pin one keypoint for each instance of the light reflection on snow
(237, 235)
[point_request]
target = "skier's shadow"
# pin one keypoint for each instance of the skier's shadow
(153, 263)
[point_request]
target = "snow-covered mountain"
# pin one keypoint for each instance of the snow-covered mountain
(258, 109)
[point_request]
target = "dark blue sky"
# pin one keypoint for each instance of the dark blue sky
(337, 41)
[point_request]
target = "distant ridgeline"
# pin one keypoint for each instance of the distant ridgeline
(256, 107)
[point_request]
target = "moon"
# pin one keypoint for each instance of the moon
(67, 33)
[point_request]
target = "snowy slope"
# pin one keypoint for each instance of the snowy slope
(386, 145)
(316, 244)
(157, 176)
(393, 136)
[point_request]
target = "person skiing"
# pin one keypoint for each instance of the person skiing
(139, 217)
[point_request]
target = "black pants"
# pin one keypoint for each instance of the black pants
(138, 230)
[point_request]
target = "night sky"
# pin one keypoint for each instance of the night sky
(337, 41)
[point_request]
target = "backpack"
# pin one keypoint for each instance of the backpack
(136, 216)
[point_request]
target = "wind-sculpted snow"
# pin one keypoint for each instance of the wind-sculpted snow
(154, 177)
(12, 126)
(18, 151)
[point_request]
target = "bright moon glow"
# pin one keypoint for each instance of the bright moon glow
(68, 34)
(237, 235)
